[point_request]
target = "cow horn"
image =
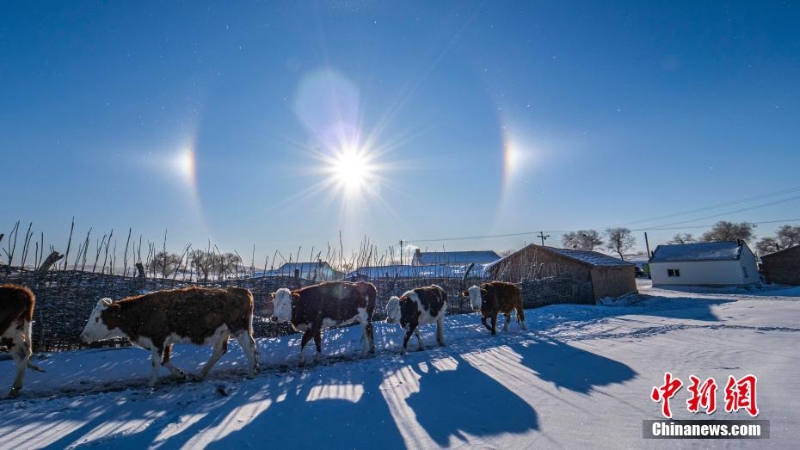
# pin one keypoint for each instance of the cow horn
(106, 301)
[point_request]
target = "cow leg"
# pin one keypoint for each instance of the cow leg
(220, 348)
(250, 349)
(165, 361)
(367, 343)
(521, 317)
(157, 354)
(508, 320)
(371, 337)
(440, 330)
(419, 338)
(21, 354)
(483, 321)
(303, 341)
(494, 324)
(318, 343)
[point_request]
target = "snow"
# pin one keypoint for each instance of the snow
(699, 251)
(580, 377)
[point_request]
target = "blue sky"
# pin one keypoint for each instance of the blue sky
(227, 122)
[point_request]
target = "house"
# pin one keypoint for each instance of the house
(729, 263)
(415, 272)
(315, 271)
(608, 276)
(782, 267)
(464, 258)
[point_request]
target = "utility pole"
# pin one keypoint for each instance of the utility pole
(543, 237)
(647, 244)
(401, 252)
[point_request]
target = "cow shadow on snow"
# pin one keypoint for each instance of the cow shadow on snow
(569, 367)
(460, 400)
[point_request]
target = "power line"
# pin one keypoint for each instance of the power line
(492, 236)
(657, 227)
(716, 206)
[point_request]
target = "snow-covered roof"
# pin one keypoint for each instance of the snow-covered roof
(589, 257)
(404, 271)
(584, 256)
(305, 268)
(701, 251)
(463, 257)
(781, 252)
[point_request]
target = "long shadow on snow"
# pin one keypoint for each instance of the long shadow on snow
(462, 400)
(570, 367)
(319, 407)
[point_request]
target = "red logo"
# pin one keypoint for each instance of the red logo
(705, 395)
(665, 392)
(739, 394)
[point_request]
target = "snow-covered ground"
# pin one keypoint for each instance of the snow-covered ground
(580, 377)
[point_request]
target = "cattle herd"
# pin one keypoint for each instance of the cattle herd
(210, 316)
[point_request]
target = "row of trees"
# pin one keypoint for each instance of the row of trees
(785, 237)
(617, 240)
(204, 263)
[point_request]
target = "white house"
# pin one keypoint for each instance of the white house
(705, 263)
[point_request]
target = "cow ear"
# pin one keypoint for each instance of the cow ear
(295, 295)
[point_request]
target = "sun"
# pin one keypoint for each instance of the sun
(351, 169)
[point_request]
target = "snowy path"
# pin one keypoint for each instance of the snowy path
(579, 378)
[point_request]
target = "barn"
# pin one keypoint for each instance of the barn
(312, 270)
(454, 258)
(729, 263)
(782, 267)
(607, 276)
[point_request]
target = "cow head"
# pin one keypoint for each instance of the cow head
(98, 327)
(475, 298)
(282, 305)
(393, 313)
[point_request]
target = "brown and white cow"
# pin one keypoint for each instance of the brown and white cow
(327, 304)
(419, 306)
(16, 317)
(496, 297)
(195, 315)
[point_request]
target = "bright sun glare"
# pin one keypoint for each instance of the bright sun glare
(351, 170)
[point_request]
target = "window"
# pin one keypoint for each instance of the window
(674, 272)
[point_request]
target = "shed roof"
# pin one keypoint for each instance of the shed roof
(404, 271)
(462, 257)
(794, 249)
(582, 256)
(589, 257)
(701, 251)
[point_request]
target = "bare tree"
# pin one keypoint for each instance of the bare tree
(787, 236)
(729, 231)
(166, 263)
(227, 264)
(203, 262)
(619, 240)
(682, 238)
(582, 240)
(767, 245)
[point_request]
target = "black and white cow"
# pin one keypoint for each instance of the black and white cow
(493, 298)
(419, 306)
(16, 318)
(195, 315)
(324, 305)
